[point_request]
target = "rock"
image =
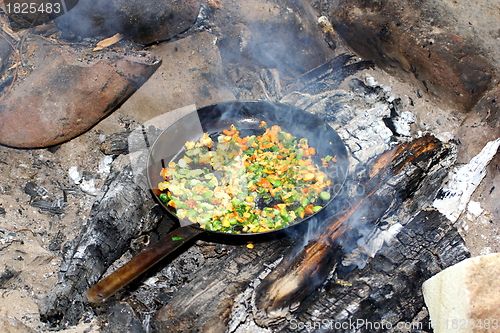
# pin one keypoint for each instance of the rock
(464, 297)
(277, 34)
(197, 61)
(68, 92)
(418, 40)
(144, 21)
(480, 126)
(13, 325)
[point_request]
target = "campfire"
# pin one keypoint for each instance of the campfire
(91, 100)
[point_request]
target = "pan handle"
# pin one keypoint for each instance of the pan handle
(141, 263)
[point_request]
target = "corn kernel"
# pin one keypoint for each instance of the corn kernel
(308, 177)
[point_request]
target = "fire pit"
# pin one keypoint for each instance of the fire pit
(73, 213)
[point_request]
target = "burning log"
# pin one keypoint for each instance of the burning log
(122, 210)
(300, 275)
(220, 296)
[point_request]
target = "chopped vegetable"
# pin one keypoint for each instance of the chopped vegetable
(325, 196)
(245, 185)
(176, 239)
(164, 197)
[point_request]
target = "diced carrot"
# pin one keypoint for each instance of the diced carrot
(242, 141)
(163, 172)
(228, 133)
(309, 209)
(191, 203)
(274, 191)
(265, 183)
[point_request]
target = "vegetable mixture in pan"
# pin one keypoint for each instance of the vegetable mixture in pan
(246, 184)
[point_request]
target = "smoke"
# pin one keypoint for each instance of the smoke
(144, 21)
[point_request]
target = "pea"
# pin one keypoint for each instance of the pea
(325, 196)
(164, 197)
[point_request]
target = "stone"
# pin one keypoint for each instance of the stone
(273, 34)
(68, 92)
(13, 325)
(480, 126)
(418, 41)
(197, 61)
(464, 297)
(144, 21)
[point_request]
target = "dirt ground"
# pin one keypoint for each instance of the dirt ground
(31, 237)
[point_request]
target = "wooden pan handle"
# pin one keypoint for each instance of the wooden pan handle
(141, 263)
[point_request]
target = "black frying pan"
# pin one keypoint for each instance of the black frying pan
(213, 119)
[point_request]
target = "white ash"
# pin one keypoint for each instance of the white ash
(369, 246)
(239, 320)
(474, 208)
(403, 123)
(445, 136)
(105, 165)
(454, 197)
(74, 175)
(88, 186)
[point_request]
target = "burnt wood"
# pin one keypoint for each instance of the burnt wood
(302, 273)
(118, 214)
(220, 297)
(388, 290)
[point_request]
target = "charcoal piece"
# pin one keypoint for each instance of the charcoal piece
(116, 143)
(56, 241)
(33, 190)
(129, 141)
(47, 206)
(6, 276)
(5, 53)
(122, 319)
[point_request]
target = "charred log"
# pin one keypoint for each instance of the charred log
(298, 276)
(117, 215)
(388, 290)
(219, 298)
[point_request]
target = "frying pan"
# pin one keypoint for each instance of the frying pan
(170, 146)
